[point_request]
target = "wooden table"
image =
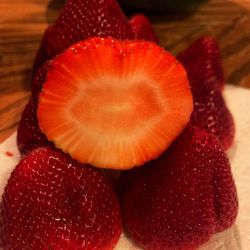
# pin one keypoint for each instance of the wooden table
(22, 23)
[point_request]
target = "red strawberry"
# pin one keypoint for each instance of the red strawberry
(53, 202)
(182, 198)
(40, 78)
(114, 104)
(29, 135)
(142, 28)
(42, 55)
(203, 63)
(211, 113)
(83, 19)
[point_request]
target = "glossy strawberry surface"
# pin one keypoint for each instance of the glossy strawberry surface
(202, 60)
(80, 20)
(182, 198)
(142, 28)
(212, 114)
(53, 202)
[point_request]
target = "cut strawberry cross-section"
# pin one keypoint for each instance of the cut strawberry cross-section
(114, 104)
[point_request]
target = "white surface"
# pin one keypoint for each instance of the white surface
(238, 236)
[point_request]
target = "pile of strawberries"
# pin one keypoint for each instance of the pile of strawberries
(105, 95)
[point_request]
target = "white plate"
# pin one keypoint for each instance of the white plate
(236, 237)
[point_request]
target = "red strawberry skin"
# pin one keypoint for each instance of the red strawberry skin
(40, 78)
(142, 28)
(53, 202)
(203, 63)
(29, 135)
(179, 200)
(42, 54)
(83, 19)
(211, 114)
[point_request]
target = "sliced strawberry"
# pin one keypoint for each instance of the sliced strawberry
(80, 20)
(114, 104)
(53, 202)
(203, 63)
(142, 28)
(179, 200)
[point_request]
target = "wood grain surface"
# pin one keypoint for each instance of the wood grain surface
(22, 23)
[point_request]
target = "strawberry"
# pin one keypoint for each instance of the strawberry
(53, 202)
(39, 79)
(142, 28)
(179, 200)
(114, 104)
(80, 20)
(211, 113)
(29, 135)
(203, 63)
(42, 55)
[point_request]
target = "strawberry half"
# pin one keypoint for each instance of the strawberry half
(114, 104)
(179, 200)
(202, 61)
(80, 20)
(53, 202)
(142, 28)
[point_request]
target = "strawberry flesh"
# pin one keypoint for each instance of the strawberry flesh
(112, 103)
(179, 200)
(53, 202)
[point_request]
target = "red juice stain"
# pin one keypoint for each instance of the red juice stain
(9, 154)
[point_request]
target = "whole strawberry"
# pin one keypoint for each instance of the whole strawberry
(212, 114)
(202, 61)
(80, 20)
(53, 202)
(142, 28)
(203, 65)
(29, 135)
(179, 200)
